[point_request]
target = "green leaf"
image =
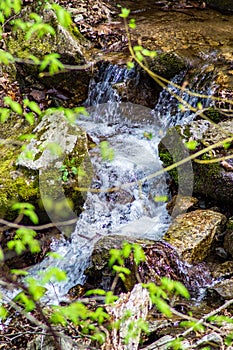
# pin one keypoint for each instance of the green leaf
(54, 274)
(138, 48)
(132, 23)
(4, 114)
(6, 57)
(121, 269)
(139, 56)
(139, 254)
(95, 291)
(124, 12)
(107, 152)
(196, 326)
(1, 254)
(126, 249)
(146, 52)
(191, 145)
(21, 206)
(15, 106)
(3, 313)
(181, 289)
(63, 16)
(32, 215)
(19, 272)
(160, 198)
(130, 65)
(227, 145)
(110, 298)
(148, 135)
(27, 137)
(33, 106)
(58, 318)
(199, 106)
(162, 306)
(54, 255)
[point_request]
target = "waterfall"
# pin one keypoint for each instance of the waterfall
(171, 113)
(131, 208)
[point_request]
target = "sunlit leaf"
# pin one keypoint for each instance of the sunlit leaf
(124, 12)
(161, 198)
(191, 145)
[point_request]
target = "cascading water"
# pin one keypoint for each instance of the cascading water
(171, 113)
(121, 196)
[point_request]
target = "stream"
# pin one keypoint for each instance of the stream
(131, 209)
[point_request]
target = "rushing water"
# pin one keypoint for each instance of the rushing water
(129, 209)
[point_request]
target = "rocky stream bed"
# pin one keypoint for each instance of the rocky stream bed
(189, 238)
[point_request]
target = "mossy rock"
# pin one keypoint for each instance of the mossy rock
(167, 65)
(211, 180)
(16, 185)
(38, 178)
(72, 47)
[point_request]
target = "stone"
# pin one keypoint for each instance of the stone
(192, 234)
(223, 270)
(56, 154)
(228, 238)
(212, 180)
(224, 289)
(211, 338)
(161, 260)
(71, 46)
(180, 204)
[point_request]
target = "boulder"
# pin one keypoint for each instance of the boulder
(46, 173)
(161, 260)
(223, 289)
(192, 234)
(214, 179)
(228, 238)
(55, 157)
(180, 204)
(71, 46)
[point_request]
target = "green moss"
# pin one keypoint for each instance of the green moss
(213, 115)
(167, 65)
(167, 160)
(15, 184)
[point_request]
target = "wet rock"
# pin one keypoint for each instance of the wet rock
(213, 180)
(228, 238)
(223, 270)
(211, 338)
(192, 234)
(161, 260)
(224, 289)
(180, 204)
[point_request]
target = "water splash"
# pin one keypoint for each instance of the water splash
(168, 109)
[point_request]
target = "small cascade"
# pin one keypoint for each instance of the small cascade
(168, 109)
(121, 198)
(100, 88)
